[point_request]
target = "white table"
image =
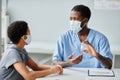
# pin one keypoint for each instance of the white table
(79, 74)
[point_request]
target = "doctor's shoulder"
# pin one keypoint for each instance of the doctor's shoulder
(98, 34)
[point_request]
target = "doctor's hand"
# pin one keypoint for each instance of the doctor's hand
(76, 60)
(90, 49)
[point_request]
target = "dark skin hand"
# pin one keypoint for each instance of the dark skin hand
(70, 61)
(76, 60)
(104, 60)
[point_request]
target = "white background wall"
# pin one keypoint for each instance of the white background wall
(47, 19)
(0, 28)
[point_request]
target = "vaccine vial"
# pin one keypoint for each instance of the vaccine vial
(83, 46)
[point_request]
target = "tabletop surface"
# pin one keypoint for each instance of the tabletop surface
(80, 74)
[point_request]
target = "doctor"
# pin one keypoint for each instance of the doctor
(82, 46)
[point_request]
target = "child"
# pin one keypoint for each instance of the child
(15, 59)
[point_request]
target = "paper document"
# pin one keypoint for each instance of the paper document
(101, 72)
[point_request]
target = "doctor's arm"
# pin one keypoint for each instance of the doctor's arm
(70, 61)
(106, 61)
(58, 54)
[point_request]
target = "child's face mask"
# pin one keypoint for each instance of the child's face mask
(28, 39)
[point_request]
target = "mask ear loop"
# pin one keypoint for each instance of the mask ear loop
(84, 25)
(85, 22)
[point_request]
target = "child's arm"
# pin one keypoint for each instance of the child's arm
(35, 66)
(27, 75)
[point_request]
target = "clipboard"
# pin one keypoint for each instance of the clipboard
(101, 73)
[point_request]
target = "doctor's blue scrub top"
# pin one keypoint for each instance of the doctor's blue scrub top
(69, 43)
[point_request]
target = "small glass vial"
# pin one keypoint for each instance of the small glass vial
(83, 46)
